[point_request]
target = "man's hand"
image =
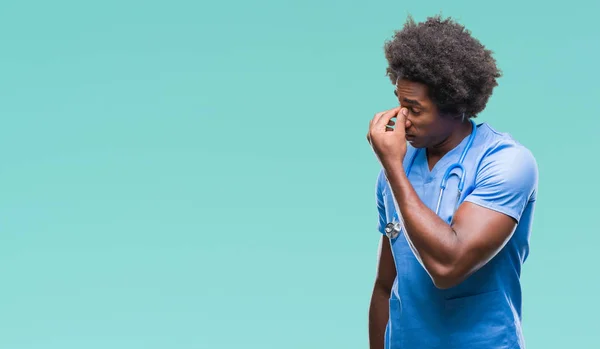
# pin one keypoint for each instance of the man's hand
(388, 143)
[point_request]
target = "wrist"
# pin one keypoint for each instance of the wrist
(394, 167)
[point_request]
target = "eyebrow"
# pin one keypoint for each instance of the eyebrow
(411, 101)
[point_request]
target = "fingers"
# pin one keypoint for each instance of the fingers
(390, 125)
(382, 119)
(402, 117)
(372, 124)
(377, 117)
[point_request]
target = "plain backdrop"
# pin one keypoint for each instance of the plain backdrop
(184, 174)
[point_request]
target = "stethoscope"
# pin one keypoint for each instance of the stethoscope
(392, 229)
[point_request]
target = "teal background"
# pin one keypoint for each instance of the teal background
(189, 174)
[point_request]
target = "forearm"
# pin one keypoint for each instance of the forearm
(433, 241)
(378, 317)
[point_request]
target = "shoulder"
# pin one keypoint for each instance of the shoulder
(507, 174)
(502, 147)
(507, 161)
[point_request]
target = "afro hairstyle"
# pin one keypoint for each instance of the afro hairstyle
(458, 70)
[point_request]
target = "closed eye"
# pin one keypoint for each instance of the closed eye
(411, 109)
(414, 111)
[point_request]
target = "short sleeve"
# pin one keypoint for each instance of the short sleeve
(506, 181)
(380, 203)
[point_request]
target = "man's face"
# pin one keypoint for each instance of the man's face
(424, 127)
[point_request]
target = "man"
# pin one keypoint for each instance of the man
(449, 279)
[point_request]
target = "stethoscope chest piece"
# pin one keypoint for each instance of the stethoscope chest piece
(392, 230)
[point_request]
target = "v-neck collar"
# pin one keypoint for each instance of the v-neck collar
(443, 161)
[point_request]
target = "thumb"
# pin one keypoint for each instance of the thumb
(402, 118)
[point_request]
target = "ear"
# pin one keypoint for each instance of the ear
(459, 112)
(452, 111)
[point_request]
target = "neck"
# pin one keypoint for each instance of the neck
(458, 134)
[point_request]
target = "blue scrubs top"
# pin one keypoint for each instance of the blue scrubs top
(484, 311)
